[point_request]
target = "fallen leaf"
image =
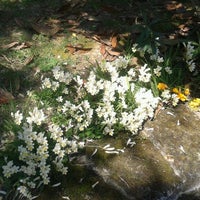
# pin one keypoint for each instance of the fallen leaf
(5, 96)
(134, 61)
(113, 41)
(102, 49)
(174, 5)
(8, 46)
(113, 53)
(21, 46)
(71, 49)
(79, 48)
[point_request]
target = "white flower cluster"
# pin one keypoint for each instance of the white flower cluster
(80, 115)
(156, 57)
(33, 154)
(60, 77)
(108, 105)
(158, 60)
(10, 169)
(106, 101)
(167, 97)
(36, 148)
(63, 146)
(189, 56)
(145, 75)
(114, 107)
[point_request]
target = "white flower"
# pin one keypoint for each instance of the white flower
(157, 71)
(36, 116)
(134, 48)
(166, 95)
(25, 192)
(57, 72)
(54, 85)
(44, 172)
(30, 170)
(65, 91)
(10, 169)
(132, 73)
(56, 131)
(189, 51)
(24, 153)
(59, 99)
(61, 76)
(57, 149)
(168, 70)
(81, 144)
(120, 63)
(91, 85)
(160, 59)
(59, 165)
(191, 65)
(79, 80)
(46, 83)
(175, 99)
(156, 57)
(108, 131)
(18, 117)
(144, 75)
(122, 84)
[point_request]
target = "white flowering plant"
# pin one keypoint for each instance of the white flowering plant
(68, 109)
(101, 103)
(169, 68)
(37, 149)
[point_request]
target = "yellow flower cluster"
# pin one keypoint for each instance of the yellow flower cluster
(162, 86)
(181, 95)
(195, 104)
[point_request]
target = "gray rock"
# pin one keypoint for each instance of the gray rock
(164, 164)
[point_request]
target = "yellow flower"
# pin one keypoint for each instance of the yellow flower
(195, 104)
(175, 90)
(181, 96)
(162, 86)
(187, 91)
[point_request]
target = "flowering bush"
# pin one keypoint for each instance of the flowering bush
(68, 109)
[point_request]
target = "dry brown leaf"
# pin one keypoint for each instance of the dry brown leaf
(113, 41)
(103, 50)
(110, 58)
(71, 49)
(113, 53)
(83, 50)
(5, 96)
(134, 61)
(21, 46)
(79, 48)
(73, 22)
(8, 46)
(174, 5)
